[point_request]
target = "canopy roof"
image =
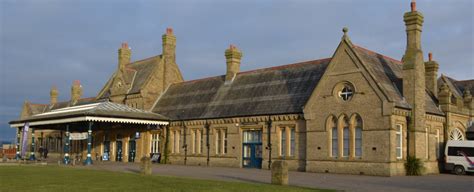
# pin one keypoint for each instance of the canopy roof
(104, 111)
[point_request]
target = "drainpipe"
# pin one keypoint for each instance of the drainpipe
(167, 132)
(269, 143)
(207, 141)
(408, 135)
(185, 145)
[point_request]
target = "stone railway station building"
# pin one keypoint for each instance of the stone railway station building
(357, 112)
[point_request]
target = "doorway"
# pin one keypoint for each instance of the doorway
(131, 150)
(119, 149)
(252, 149)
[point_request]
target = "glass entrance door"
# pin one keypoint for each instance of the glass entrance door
(252, 149)
(131, 150)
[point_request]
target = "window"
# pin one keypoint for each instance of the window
(287, 141)
(155, 143)
(197, 141)
(346, 93)
(399, 140)
(176, 137)
(218, 141)
(292, 142)
(345, 133)
(283, 142)
(221, 141)
(335, 139)
(461, 151)
(456, 134)
(358, 137)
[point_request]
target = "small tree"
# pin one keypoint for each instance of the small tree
(413, 166)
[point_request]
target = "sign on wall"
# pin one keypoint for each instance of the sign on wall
(78, 136)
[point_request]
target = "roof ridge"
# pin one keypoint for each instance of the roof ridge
(286, 65)
(145, 59)
(384, 56)
(264, 69)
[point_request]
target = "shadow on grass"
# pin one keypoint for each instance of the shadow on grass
(243, 179)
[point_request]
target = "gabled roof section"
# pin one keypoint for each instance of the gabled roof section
(138, 72)
(388, 73)
(457, 87)
(277, 90)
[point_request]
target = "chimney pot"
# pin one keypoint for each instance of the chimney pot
(413, 5)
(169, 31)
(430, 56)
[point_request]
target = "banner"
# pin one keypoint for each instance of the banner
(78, 136)
(24, 142)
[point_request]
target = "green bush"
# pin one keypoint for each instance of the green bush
(413, 166)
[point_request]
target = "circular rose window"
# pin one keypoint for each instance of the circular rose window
(344, 91)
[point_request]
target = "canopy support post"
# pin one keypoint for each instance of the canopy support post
(89, 144)
(18, 156)
(66, 146)
(32, 155)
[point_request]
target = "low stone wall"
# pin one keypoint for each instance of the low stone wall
(355, 168)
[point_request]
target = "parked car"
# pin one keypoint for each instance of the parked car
(459, 156)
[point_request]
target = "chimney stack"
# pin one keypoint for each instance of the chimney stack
(169, 46)
(233, 56)
(76, 91)
(53, 95)
(124, 55)
(414, 88)
(431, 75)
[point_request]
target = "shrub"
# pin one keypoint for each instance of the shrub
(413, 166)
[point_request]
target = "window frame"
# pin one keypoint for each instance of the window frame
(399, 146)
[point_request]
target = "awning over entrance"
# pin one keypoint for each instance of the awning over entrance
(104, 111)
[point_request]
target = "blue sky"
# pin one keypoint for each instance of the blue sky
(54, 42)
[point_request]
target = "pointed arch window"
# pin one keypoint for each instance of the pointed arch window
(346, 136)
(358, 136)
(332, 127)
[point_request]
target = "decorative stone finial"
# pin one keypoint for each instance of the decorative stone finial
(430, 56)
(345, 30)
(413, 5)
(169, 31)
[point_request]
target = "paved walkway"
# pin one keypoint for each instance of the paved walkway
(443, 182)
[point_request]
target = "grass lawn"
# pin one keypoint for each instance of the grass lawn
(55, 178)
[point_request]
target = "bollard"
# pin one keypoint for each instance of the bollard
(145, 166)
(279, 173)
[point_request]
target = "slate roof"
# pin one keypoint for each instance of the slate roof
(389, 74)
(457, 87)
(137, 74)
(277, 90)
(97, 109)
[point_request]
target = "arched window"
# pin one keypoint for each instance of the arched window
(358, 136)
(456, 134)
(332, 127)
(345, 134)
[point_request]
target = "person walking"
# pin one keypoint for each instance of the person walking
(45, 153)
(40, 151)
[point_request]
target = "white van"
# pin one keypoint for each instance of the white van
(459, 156)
